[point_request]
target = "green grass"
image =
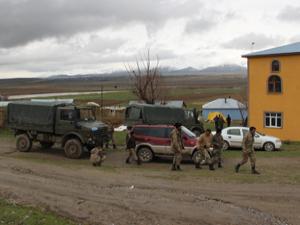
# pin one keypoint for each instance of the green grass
(15, 214)
(6, 133)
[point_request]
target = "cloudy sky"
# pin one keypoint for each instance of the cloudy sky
(45, 37)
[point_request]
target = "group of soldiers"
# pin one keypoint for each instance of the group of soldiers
(209, 149)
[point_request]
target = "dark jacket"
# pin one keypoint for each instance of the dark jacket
(130, 141)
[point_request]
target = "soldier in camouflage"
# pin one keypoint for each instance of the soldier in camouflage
(97, 156)
(204, 143)
(248, 151)
(218, 142)
(176, 146)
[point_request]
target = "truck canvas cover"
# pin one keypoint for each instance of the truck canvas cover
(32, 115)
(153, 114)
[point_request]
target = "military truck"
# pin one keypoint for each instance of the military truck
(75, 128)
(138, 114)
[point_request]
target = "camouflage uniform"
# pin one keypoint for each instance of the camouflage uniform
(176, 147)
(97, 156)
(203, 144)
(217, 142)
(248, 152)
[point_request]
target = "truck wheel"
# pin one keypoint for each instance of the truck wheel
(46, 144)
(23, 143)
(73, 149)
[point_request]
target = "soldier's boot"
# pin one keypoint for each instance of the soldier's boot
(106, 145)
(197, 165)
(128, 160)
(254, 171)
(237, 168)
(211, 166)
(173, 168)
(94, 164)
(178, 167)
(220, 165)
(114, 146)
(138, 161)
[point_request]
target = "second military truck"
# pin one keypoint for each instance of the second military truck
(137, 114)
(53, 122)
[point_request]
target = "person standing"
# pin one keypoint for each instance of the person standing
(111, 131)
(204, 143)
(228, 120)
(218, 142)
(130, 146)
(216, 120)
(176, 146)
(220, 122)
(248, 151)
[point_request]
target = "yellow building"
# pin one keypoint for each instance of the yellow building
(274, 91)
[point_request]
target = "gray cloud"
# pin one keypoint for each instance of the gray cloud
(290, 14)
(23, 21)
(260, 41)
(199, 25)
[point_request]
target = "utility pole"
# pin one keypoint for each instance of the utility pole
(101, 92)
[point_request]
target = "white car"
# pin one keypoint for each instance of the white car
(233, 137)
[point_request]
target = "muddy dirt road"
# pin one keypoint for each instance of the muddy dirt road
(120, 194)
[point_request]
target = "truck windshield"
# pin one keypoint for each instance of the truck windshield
(188, 132)
(87, 115)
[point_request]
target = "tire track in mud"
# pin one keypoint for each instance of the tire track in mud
(77, 194)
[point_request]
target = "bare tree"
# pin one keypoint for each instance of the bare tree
(146, 79)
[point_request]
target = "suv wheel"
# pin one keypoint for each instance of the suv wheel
(73, 149)
(23, 143)
(46, 145)
(145, 154)
(269, 146)
(195, 154)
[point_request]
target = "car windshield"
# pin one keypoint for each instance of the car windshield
(188, 132)
(87, 114)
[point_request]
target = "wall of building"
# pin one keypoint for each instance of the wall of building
(260, 101)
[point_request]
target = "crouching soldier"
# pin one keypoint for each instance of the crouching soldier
(176, 146)
(130, 146)
(218, 142)
(248, 151)
(204, 144)
(97, 156)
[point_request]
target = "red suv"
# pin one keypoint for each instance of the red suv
(154, 140)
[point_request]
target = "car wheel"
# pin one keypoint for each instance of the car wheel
(269, 147)
(46, 145)
(23, 143)
(73, 149)
(226, 146)
(195, 154)
(145, 154)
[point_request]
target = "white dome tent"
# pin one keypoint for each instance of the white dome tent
(226, 106)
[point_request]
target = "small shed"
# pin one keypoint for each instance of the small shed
(226, 106)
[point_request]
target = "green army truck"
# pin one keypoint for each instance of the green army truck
(138, 114)
(53, 122)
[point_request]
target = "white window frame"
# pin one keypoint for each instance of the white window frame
(268, 115)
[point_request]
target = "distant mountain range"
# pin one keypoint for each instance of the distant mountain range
(227, 69)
